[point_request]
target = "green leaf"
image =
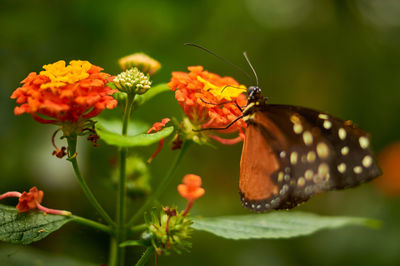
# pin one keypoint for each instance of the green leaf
(118, 140)
(275, 225)
(154, 91)
(115, 126)
(28, 227)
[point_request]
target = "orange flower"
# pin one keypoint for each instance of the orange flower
(210, 101)
(30, 200)
(64, 93)
(389, 161)
(191, 188)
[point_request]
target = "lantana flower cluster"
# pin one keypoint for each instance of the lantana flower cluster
(210, 101)
(65, 93)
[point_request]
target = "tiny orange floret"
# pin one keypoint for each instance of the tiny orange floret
(191, 188)
(157, 126)
(30, 200)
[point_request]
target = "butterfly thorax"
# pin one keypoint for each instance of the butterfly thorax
(255, 102)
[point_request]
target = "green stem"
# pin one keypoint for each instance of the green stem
(118, 253)
(139, 228)
(145, 257)
(91, 223)
(162, 186)
(72, 158)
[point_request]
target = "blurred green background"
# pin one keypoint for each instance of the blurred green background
(342, 57)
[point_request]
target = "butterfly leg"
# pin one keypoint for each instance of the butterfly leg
(219, 128)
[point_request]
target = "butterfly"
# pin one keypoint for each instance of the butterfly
(291, 153)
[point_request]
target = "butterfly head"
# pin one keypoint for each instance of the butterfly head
(255, 94)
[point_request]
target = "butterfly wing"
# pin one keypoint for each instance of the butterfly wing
(301, 152)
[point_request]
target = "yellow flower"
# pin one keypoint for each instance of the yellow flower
(227, 92)
(60, 74)
(142, 61)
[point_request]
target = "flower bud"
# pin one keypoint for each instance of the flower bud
(138, 177)
(142, 61)
(169, 231)
(132, 81)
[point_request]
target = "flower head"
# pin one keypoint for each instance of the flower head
(30, 200)
(191, 188)
(132, 81)
(142, 61)
(210, 101)
(64, 93)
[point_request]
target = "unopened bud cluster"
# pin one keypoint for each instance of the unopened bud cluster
(169, 231)
(132, 81)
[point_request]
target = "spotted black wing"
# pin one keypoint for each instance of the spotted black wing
(314, 152)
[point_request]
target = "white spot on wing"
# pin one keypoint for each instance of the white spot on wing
(344, 150)
(364, 142)
(322, 150)
(327, 124)
(323, 116)
(323, 169)
(367, 161)
(341, 168)
(307, 138)
(309, 174)
(297, 128)
(301, 182)
(280, 176)
(342, 133)
(311, 156)
(357, 169)
(293, 157)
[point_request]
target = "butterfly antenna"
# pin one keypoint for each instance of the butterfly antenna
(251, 66)
(219, 57)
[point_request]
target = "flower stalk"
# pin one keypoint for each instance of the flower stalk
(105, 228)
(72, 140)
(118, 256)
(162, 186)
(145, 257)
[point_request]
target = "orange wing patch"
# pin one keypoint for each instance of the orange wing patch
(257, 165)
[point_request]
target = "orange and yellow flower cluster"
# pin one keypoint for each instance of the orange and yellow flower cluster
(64, 93)
(210, 101)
